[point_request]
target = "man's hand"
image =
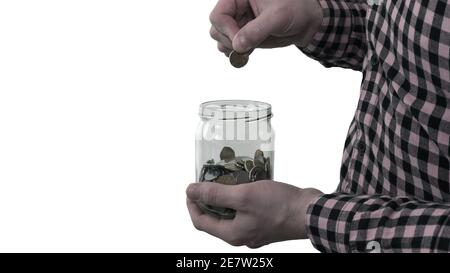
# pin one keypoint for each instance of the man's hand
(244, 25)
(266, 211)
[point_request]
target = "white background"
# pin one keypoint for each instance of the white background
(98, 110)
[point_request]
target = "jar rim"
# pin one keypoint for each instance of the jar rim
(235, 109)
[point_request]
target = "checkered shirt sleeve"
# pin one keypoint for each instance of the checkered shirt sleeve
(394, 188)
(348, 223)
(341, 41)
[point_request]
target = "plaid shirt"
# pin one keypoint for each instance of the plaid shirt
(394, 190)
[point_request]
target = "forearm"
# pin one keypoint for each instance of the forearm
(348, 223)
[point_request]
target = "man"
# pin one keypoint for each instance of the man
(395, 190)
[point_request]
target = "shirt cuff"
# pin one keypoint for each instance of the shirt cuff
(329, 221)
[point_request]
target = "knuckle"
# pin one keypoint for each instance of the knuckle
(221, 48)
(213, 17)
(211, 195)
(213, 33)
(198, 226)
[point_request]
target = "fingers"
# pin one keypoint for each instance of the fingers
(223, 43)
(223, 49)
(221, 38)
(213, 226)
(256, 31)
(216, 194)
(222, 18)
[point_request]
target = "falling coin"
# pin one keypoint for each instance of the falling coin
(238, 60)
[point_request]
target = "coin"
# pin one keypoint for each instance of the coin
(268, 170)
(240, 162)
(241, 177)
(257, 173)
(211, 172)
(233, 166)
(228, 179)
(259, 159)
(227, 154)
(238, 60)
(233, 170)
(224, 213)
(249, 165)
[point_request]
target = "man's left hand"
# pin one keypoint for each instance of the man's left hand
(266, 211)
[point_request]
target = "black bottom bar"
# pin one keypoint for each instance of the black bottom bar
(207, 262)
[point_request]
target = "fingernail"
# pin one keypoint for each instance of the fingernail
(243, 43)
(240, 43)
(193, 191)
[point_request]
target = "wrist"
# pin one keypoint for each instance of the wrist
(315, 15)
(307, 197)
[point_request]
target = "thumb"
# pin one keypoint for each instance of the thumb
(214, 194)
(257, 30)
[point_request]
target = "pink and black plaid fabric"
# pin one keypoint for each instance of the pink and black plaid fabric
(395, 178)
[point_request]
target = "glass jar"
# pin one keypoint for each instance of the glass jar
(234, 145)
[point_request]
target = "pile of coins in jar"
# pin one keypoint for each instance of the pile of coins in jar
(234, 170)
